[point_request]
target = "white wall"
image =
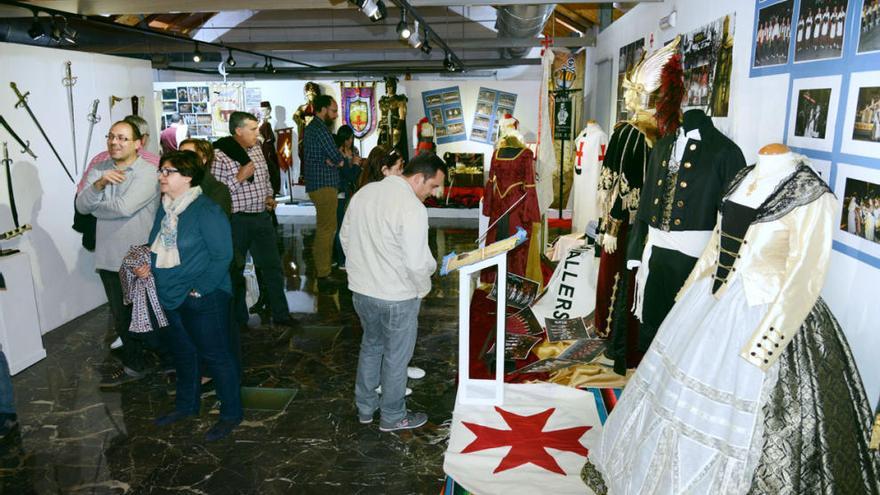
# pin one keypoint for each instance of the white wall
(757, 117)
(64, 275)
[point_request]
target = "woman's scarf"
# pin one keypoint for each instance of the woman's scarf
(165, 244)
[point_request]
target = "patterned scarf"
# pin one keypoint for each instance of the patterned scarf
(140, 292)
(165, 244)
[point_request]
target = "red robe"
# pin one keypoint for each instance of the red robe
(509, 180)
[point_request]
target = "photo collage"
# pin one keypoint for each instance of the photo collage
(707, 59)
(492, 106)
(192, 103)
(443, 108)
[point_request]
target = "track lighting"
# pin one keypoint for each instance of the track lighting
(197, 55)
(60, 31)
(426, 47)
(268, 67)
(36, 31)
(55, 32)
(449, 64)
(229, 60)
(375, 10)
(402, 28)
(415, 40)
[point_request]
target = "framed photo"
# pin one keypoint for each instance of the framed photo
(484, 108)
(811, 120)
(169, 94)
(169, 106)
(861, 127)
(822, 26)
(858, 193)
(185, 107)
(773, 34)
(182, 94)
(869, 27)
(436, 116)
(433, 100)
(486, 95)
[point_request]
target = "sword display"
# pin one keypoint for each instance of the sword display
(93, 118)
(7, 164)
(22, 103)
(25, 146)
(69, 81)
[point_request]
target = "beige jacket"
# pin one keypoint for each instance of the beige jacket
(782, 263)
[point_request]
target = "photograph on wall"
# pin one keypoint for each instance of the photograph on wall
(823, 31)
(707, 57)
(492, 105)
(630, 55)
(812, 118)
(185, 107)
(773, 35)
(169, 106)
(169, 94)
(182, 94)
(225, 99)
(858, 198)
(869, 27)
(861, 126)
(446, 113)
(252, 99)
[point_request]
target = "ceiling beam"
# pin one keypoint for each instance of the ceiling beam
(99, 7)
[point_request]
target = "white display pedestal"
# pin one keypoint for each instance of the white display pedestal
(19, 323)
(481, 391)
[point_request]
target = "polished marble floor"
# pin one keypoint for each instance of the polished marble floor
(76, 438)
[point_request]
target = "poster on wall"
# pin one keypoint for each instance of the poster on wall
(773, 35)
(492, 106)
(192, 104)
(225, 99)
(252, 99)
(822, 27)
(443, 107)
(814, 103)
(869, 27)
(858, 193)
(359, 107)
(707, 60)
(630, 55)
(861, 127)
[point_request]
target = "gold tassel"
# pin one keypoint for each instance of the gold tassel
(875, 434)
(533, 262)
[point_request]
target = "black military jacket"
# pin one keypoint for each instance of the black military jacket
(690, 198)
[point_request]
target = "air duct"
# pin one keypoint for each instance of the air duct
(521, 21)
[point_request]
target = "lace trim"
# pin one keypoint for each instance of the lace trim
(716, 395)
(801, 187)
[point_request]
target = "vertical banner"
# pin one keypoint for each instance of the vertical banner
(443, 109)
(359, 107)
(567, 69)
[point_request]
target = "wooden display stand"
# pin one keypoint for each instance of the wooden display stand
(19, 324)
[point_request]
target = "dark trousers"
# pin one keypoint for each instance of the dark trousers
(199, 335)
(255, 233)
(668, 271)
(338, 253)
(7, 402)
(132, 344)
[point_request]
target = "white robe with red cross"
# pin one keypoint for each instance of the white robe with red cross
(589, 150)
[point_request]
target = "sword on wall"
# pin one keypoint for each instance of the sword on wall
(25, 146)
(22, 103)
(69, 81)
(93, 119)
(7, 164)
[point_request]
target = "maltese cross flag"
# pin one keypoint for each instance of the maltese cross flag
(536, 442)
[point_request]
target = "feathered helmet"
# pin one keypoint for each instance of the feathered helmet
(645, 78)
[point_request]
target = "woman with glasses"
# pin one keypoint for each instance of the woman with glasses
(191, 246)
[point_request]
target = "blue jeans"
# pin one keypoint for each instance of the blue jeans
(7, 404)
(390, 330)
(199, 331)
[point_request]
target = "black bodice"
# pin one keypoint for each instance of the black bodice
(735, 221)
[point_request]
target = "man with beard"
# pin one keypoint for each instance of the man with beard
(321, 164)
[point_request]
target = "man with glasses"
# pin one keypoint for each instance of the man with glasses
(123, 194)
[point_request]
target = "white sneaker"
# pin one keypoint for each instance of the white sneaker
(116, 343)
(405, 394)
(415, 373)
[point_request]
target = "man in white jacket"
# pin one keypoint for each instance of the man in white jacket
(385, 238)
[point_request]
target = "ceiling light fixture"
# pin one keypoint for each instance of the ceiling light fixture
(197, 55)
(415, 40)
(402, 28)
(229, 60)
(426, 47)
(36, 31)
(449, 64)
(375, 10)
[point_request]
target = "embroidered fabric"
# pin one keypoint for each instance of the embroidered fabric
(140, 292)
(800, 188)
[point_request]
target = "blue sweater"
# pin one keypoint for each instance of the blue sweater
(204, 240)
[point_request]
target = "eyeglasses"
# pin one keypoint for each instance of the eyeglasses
(165, 172)
(120, 138)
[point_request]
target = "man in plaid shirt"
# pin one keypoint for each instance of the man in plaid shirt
(252, 228)
(322, 160)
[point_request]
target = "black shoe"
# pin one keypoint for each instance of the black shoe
(121, 376)
(260, 307)
(220, 430)
(327, 285)
(8, 424)
(172, 417)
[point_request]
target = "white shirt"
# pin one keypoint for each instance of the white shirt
(385, 239)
